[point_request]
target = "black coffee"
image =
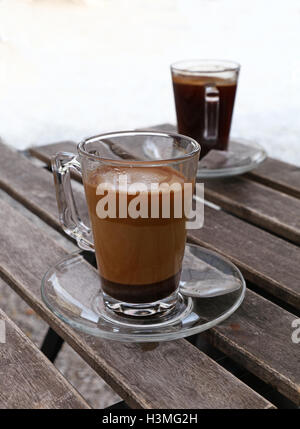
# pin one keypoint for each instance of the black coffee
(189, 93)
(138, 294)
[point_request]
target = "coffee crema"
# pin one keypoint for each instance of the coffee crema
(189, 93)
(139, 260)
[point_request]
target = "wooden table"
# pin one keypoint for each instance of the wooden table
(249, 361)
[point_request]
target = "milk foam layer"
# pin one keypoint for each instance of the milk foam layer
(203, 80)
(146, 175)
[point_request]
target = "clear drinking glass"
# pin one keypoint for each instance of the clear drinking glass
(139, 248)
(204, 92)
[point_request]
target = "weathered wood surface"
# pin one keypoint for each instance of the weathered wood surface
(278, 175)
(254, 364)
(44, 153)
(222, 232)
(27, 378)
(21, 179)
(165, 375)
(251, 354)
(258, 336)
(266, 260)
(270, 275)
(258, 204)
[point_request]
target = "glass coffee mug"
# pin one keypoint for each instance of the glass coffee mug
(204, 92)
(139, 245)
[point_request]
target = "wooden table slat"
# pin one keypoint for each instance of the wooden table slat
(258, 336)
(258, 204)
(278, 175)
(44, 153)
(164, 375)
(265, 260)
(27, 378)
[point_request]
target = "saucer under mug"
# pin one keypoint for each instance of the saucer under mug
(241, 157)
(211, 289)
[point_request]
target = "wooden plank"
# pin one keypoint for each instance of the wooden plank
(258, 336)
(165, 375)
(266, 260)
(44, 153)
(278, 175)
(21, 179)
(218, 223)
(258, 204)
(27, 378)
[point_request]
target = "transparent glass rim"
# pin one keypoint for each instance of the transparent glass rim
(83, 151)
(185, 66)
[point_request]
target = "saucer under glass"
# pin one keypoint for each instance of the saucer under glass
(240, 157)
(211, 289)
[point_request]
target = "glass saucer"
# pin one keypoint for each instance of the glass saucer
(242, 156)
(211, 289)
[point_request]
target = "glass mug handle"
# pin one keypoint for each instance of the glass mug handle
(69, 217)
(212, 107)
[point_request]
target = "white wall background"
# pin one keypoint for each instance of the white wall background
(69, 69)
